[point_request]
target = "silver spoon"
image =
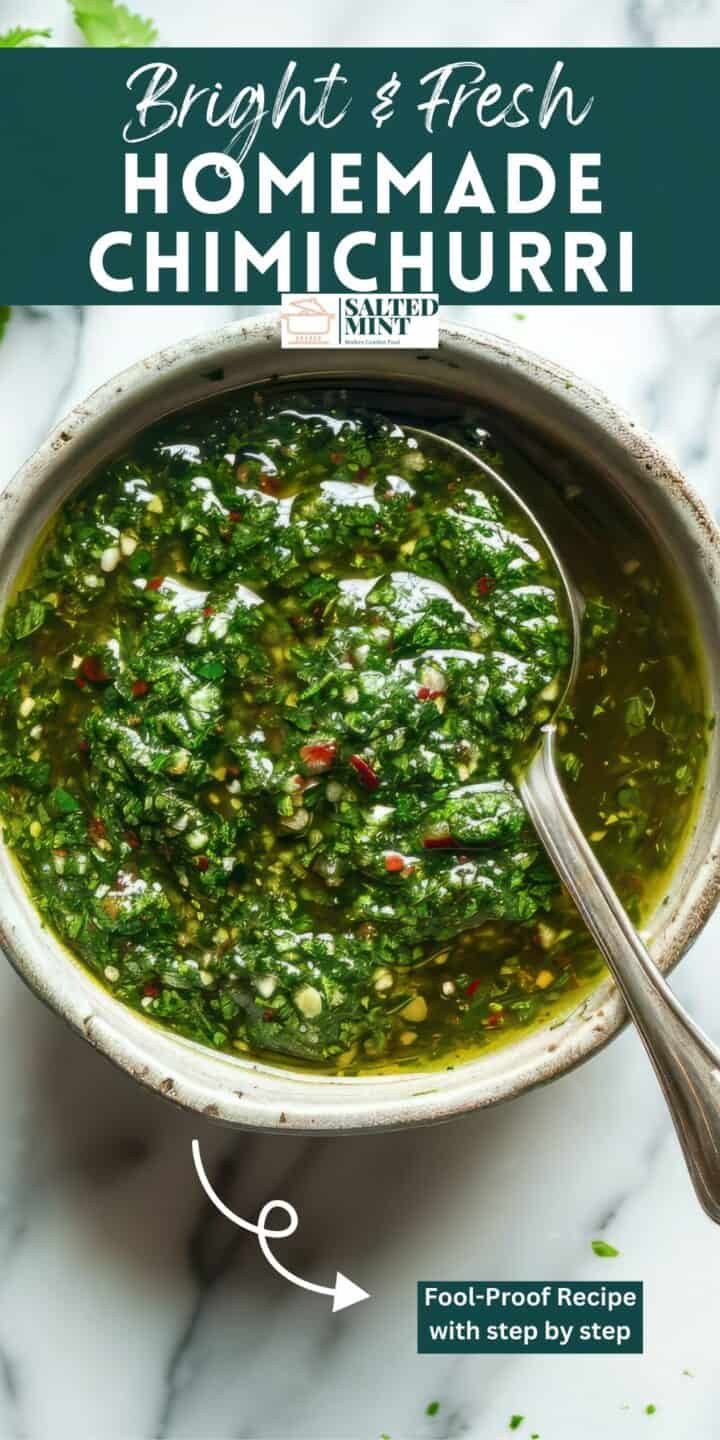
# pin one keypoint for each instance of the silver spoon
(685, 1061)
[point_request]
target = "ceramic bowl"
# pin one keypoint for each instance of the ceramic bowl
(572, 426)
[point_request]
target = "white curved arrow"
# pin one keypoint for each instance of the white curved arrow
(344, 1292)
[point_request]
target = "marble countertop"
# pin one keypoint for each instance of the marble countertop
(456, 22)
(129, 1309)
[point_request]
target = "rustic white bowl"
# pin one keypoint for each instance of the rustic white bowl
(580, 426)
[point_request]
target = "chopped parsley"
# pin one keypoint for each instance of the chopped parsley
(604, 1250)
(106, 23)
(262, 699)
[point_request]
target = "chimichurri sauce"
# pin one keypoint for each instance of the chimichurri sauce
(261, 698)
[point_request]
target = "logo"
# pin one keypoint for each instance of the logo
(354, 322)
(307, 321)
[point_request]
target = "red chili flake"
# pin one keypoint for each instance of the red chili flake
(131, 839)
(424, 692)
(208, 611)
(235, 516)
(92, 670)
(203, 863)
(493, 1020)
(365, 772)
(438, 842)
(337, 457)
(269, 483)
(268, 1014)
(80, 682)
(485, 585)
(140, 687)
(472, 987)
(362, 473)
(155, 583)
(394, 862)
(152, 990)
(320, 756)
(96, 829)
(84, 747)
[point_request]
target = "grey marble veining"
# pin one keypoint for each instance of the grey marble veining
(129, 1310)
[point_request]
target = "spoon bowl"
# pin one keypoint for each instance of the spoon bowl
(573, 599)
(685, 1060)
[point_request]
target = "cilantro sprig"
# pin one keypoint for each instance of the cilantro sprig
(14, 39)
(105, 24)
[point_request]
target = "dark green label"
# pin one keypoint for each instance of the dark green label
(487, 176)
(579, 1317)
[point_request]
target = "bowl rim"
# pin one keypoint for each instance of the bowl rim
(240, 1091)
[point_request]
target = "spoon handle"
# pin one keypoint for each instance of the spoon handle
(686, 1063)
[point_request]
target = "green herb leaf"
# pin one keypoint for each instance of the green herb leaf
(605, 1251)
(515, 1422)
(106, 23)
(638, 710)
(28, 618)
(433, 1407)
(650, 1409)
(13, 40)
(599, 622)
(63, 801)
(9, 677)
(572, 764)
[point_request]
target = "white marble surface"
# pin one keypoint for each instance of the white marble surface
(455, 22)
(128, 1309)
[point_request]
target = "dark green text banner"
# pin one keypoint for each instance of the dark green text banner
(490, 176)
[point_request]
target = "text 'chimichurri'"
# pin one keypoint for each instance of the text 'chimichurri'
(261, 698)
